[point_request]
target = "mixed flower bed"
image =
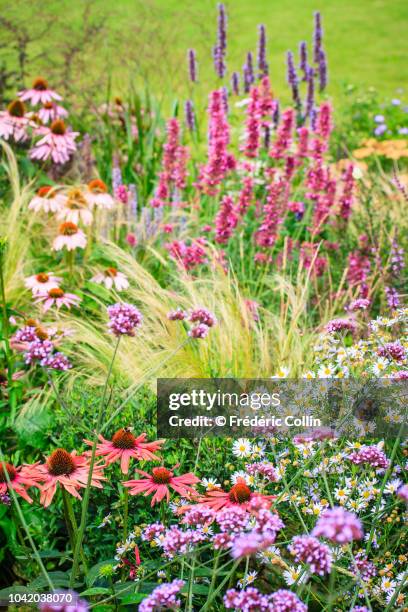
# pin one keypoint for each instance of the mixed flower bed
(134, 248)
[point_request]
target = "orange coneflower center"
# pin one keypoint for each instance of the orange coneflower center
(42, 277)
(40, 84)
(111, 272)
(31, 323)
(44, 191)
(123, 439)
(16, 109)
(240, 493)
(60, 463)
(58, 127)
(97, 186)
(56, 292)
(48, 105)
(68, 229)
(76, 200)
(11, 471)
(161, 475)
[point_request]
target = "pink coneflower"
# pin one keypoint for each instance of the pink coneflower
(111, 278)
(68, 470)
(97, 195)
(51, 111)
(57, 142)
(57, 297)
(307, 549)
(20, 477)
(159, 481)
(42, 282)
(75, 208)
(239, 495)
(338, 525)
(39, 93)
(124, 319)
(70, 237)
(13, 122)
(47, 199)
(125, 445)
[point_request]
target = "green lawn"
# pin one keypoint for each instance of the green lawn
(365, 40)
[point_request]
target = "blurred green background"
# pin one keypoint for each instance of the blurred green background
(87, 46)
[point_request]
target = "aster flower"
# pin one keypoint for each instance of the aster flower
(338, 525)
(70, 237)
(238, 495)
(75, 208)
(97, 195)
(124, 445)
(124, 319)
(163, 597)
(57, 297)
(51, 111)
(47, 199)
(40, 93)
(111, 278)
(68, 470)
(307, 549)
(158, 483)
(14, 122)
(57, 143)
(42, 282)
(20, 478)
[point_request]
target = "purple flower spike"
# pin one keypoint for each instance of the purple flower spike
(293, 79)
(192, 65)
(317, 37)
(235, 83)
(189, 115)
(310, 98)
(262, 63)
(322, 70)
(248, 71)
(303, 65)
(221, 46)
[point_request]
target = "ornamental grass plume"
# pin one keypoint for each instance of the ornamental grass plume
(159, 483)
(124, 446)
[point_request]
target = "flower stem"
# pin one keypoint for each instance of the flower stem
(6, 335)
(125, 513)
(85, 501)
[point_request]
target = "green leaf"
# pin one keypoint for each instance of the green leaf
(93, 573)
(95, 591)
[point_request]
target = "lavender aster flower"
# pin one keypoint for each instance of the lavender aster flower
(189, 114)
(192, 65)
(338, 525)
(307, 549)
(163, 597)
(403, 493)
(235, 83)
(317, 37)
(262, 63)
(124, 319)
